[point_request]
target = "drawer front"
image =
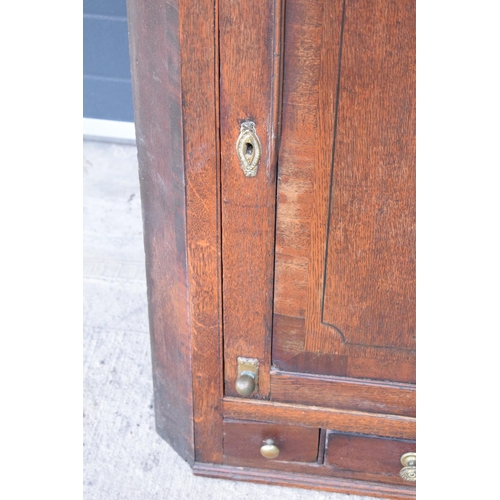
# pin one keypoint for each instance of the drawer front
(243, 442)
(369, 458)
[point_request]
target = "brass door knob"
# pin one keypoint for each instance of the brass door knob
(269, 449)
(409, 470)
(245, 384)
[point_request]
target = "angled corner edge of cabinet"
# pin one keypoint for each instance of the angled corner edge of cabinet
(173, 66)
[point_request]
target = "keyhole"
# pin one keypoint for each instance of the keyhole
(248, 149)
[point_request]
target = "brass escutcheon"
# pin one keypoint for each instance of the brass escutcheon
(248, 149)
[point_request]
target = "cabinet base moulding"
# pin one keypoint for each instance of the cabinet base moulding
(333, 484)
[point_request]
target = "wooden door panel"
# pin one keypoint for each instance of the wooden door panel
(369, 294)
(345, 229)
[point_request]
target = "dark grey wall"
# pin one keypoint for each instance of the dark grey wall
(107, 89)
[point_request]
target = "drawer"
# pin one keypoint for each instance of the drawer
(243, 442)
(364, 457)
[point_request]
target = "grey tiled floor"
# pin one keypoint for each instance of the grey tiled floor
(124, 457)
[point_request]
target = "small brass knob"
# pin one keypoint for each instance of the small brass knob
(245, 384)
(409, 470)
(269, 449)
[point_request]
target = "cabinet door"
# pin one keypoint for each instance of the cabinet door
(318, 249)
(344, 302)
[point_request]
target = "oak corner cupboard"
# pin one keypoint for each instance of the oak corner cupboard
(276, 145)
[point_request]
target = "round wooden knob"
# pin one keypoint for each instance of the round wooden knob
(409, 470)
(245, 384)
(269, 449)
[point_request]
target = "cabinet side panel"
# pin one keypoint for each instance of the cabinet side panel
(156, 80)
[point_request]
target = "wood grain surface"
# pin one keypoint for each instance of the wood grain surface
(243, 440)
(345, 228)
(370, 269)
(156, 78)
(335, 116)
(306, 480)
(377, 459)
(289, 355)
(343, 393)
(176, 99)
(249, 90)
(327, 418)
(349, 456)
(201, 151)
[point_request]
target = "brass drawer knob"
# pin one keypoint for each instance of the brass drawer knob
(245, 384)
(269, 449)
(409, 470)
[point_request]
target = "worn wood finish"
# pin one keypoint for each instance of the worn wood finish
(301, 480)
(343, 393)
(303, 49)
(175, 106)
(369, 292)
(353, 456)
(327, 418)
(344, 234)
(345, 207)
(310, 468)
(289, 355)
(249, 90)
(199, 98)
(372, 458)
(242, 442)
(156, 78)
